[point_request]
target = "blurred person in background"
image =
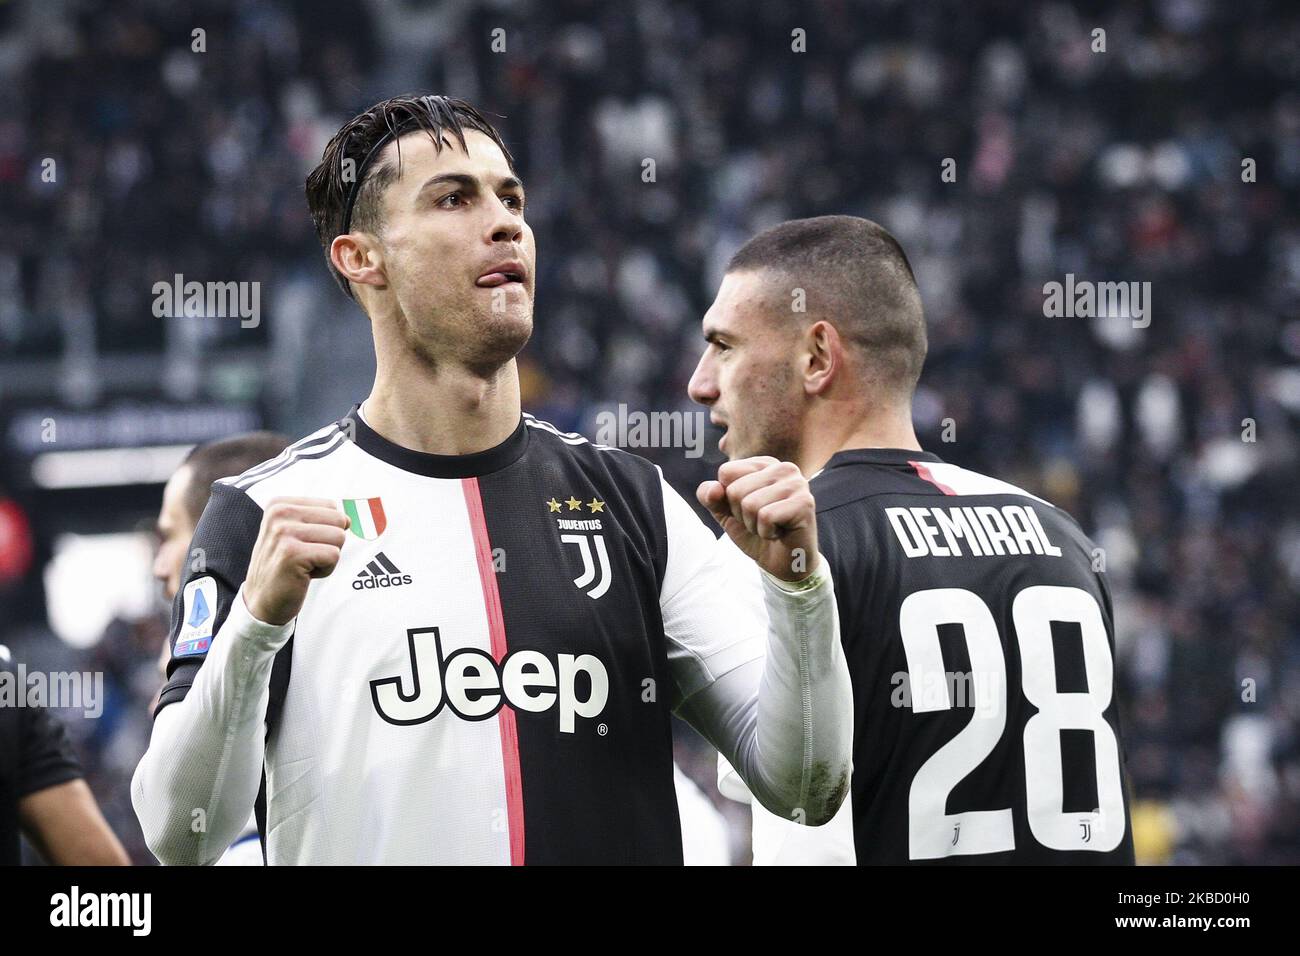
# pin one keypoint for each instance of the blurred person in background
(42, 794)
(186, 494)
(184, 498)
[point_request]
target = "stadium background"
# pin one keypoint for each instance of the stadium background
(1174, 445)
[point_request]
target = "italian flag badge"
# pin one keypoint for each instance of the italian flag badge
(368, 519)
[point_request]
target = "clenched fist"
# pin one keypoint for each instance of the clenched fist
(300, 539)
(764, 505)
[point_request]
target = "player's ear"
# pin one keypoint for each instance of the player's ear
(823, 354)
(358, 258)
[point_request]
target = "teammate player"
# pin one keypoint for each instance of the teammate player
(474, 658)
(979, 636)
(186, 494)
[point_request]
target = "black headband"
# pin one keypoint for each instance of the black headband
(412, 122)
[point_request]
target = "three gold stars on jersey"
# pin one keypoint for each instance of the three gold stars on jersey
(594, 505)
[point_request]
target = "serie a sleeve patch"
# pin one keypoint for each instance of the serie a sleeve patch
(198, 613)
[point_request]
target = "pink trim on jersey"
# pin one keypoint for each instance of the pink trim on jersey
(497, 630)
(924, 473)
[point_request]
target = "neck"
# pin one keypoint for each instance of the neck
(842, 429)
(448, 410)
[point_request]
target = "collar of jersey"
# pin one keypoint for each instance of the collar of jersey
(880, 456)
(437, 466)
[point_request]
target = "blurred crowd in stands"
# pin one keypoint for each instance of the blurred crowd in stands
(1164, 150)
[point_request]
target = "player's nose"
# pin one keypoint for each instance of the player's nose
(161, 568)
(702, 387)
(504, 225)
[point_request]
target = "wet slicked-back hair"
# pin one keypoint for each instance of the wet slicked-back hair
(856, 276)
(343, 192)
(223, 458)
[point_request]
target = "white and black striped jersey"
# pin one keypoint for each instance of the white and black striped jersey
(978, 627)
(488, 674)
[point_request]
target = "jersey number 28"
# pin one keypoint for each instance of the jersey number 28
(932, 831)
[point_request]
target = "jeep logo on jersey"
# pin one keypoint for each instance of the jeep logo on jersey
(589, 570)
(368, 518)
(474, 687)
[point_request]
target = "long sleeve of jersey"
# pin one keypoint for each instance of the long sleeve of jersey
(771, 691)
(196, 785)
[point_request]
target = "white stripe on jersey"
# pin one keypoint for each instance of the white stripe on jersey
(317, 443)
(571, 438)
(965, 482)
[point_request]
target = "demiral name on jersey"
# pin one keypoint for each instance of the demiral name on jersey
(985, 531)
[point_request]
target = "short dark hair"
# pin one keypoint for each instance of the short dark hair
(343, 194)
(223, 458)
(856, 276)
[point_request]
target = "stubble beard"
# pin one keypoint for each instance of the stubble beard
(778, 433)
(776, 444)
(498, 339)
(482, 341)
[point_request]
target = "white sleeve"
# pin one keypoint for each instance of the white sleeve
(776, 841)
(204, 762)
(712, 612)
(770, 692)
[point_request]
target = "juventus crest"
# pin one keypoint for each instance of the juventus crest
(584, 531)
(595, 575)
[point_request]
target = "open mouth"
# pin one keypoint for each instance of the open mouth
(500, 275)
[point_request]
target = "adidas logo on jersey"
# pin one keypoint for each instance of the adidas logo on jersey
(380, 573)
